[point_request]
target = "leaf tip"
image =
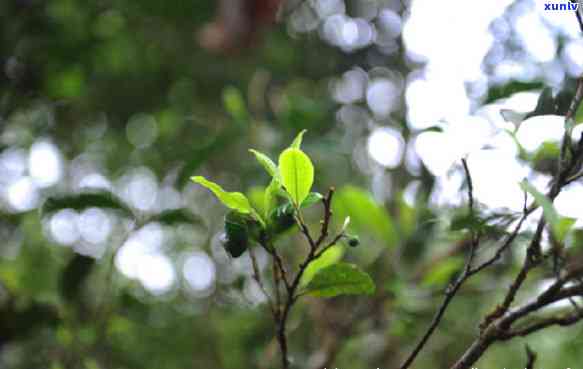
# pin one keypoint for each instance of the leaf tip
(297, 142)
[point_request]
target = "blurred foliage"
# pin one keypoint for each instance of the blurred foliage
(127, 93)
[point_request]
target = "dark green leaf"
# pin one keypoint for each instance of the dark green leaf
(282, 219)
(98, 199)
(236, 238)
(176, 216)
(466, 221)
(74, 275)
(509, 89)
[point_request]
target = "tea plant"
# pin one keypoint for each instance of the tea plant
(288, 194)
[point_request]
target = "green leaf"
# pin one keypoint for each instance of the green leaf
(563, 227)
(340, 279)
(270, 197)
(329, 257)
(366, 215)
(233, 200)
(297, 142)
(98, 199)
(509, 89)
(255, 194)
(559, 225)
(313, 198)
(176, 216)
(266, 163)
(297, 174)
(550, 214)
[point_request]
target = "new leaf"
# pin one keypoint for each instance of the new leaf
(297, 142)
(233, 200)
(266, 163)
(297, 174)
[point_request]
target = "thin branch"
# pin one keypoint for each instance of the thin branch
(291, 287)
(449, 295)
(452, 290)
(567, 320)
(503, 247)
(277, 281)
(533, 252)
(500, 329)
(470, 187)
(574, 178)
(257, 278)
(305, 230)
(510, 295)
(530, 357)
(334, 241)
(577, 98)
(497, 325)
(327, 216)
(282, 270)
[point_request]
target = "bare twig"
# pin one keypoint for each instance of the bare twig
(257, 278)
(452, 290)
(470, 187)
(504, 245)
(497, 325)
(574, 178)
(500, 330)
(292, 287)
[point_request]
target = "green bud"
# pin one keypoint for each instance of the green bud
(236, 236)
(282, 218)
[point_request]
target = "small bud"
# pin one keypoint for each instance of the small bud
(353, 241)
(236, 236)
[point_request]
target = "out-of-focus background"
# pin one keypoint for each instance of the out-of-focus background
(110, 257)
